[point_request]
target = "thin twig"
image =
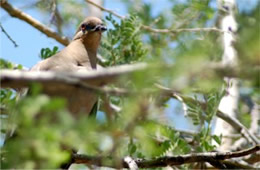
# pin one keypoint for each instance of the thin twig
(55, 16)
(165, 161)
(53, 11)
(193, 133)
(105, 9)
(232, 121)
(14, 12)
(148, 28)
(176, 31)
(8, 36)
(238, 127)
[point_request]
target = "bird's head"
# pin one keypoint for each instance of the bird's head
(90, 28)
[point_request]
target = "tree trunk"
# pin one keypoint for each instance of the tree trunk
(229, 103)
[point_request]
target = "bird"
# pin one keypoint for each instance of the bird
(79, 55)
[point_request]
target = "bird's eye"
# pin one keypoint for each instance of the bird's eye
(83, 26)
(87, 27)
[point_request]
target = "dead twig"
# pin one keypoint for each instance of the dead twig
(8, 36)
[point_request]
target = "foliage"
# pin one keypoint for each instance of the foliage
(203, 117)
(8, 65)
(46, 131)
(123, 42)
(47, 52)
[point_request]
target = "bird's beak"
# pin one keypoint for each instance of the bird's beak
(101, 28)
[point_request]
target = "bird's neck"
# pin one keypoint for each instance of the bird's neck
(92, 58)
(82, 55)
(91, 41)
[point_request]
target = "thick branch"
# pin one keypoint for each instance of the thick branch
(165, 161)
(19, 79)
(14, 12)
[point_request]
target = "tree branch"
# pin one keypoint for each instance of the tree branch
(232, 121)
(131, 163)
(19, 79)
(237, 165)
(164, 161)
(14, 12)
(8, 36)
(104, 9)
(238, 127)
(193, 133)
(176, 31)
(148, 28)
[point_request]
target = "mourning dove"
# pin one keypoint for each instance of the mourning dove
(79, 55)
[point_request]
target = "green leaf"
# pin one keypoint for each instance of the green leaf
(132, 148)
(55, 49)
(217, 139)
(46, 52)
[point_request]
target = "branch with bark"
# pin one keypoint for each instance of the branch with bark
(210, 157)
(16, 13)
(20, 79)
